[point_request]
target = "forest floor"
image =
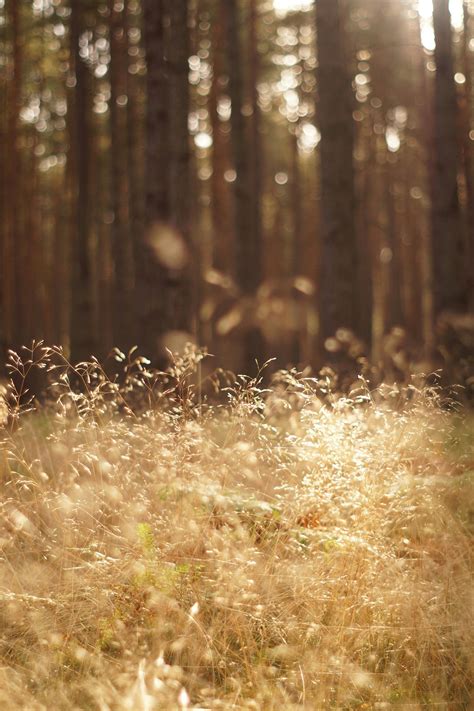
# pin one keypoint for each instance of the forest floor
(289, 549)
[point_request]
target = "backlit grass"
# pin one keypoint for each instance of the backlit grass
(281, 549)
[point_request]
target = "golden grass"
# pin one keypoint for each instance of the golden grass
(292, 549)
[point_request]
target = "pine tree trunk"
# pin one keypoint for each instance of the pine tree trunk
(83, 337)
(150, 279)
(13, 243)
(364, 236)
(447, 238)
(3, 219)
(135, 137)
(121, 237)
(468, 152)
(164, 292)
(221, 198)
(158, 114)
(338, 293)
(255, 152)
(179, 293)
(248, 256)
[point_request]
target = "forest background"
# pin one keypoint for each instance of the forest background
(287, 178)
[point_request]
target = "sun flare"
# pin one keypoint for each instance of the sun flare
(282, 7)
(425, 8)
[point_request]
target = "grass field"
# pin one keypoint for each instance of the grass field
(288, 549)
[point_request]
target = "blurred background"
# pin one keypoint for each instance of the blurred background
(288, 178)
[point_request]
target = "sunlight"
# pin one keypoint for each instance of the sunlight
(282, 7)
(425, 8)
(457, 13)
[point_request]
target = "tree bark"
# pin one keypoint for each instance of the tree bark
(246, 184)
(83, 336)
(221, 197)
(13, 240)
(247, 257)
(447, 237)
(338, 292)
(122, 247)
(179, 303)
(255, 152)
(163, 293)
(468, 152)
(157, 116)
(149, 287)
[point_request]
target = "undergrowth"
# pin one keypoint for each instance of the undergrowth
(169, 541)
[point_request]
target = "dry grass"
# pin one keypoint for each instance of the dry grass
(290, 550)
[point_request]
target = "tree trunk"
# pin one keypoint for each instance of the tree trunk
(13, 246)
(248, 253)
(149, 288)
(468, 152)
(135, 136)
(221, 197)
(247, 256)
(179, 301)
(121, 238)
(364, 232)
(158, 115)
(255, 152)
(83, 337)
(338, 292)
(3, 219)
(163, 286)
(447, 238)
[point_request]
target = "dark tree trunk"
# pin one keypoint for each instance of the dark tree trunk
(221, 197)
(255, 152)
(247, 249)
(163, 293)
(365, 271)
(135, 135)
(122, 248)
(13, 247)
(83, 336)
(150, 281)
(447, 238)
(3, 221)
(246, 217)
(468, 152)
(179, 302)
(157, 116)
(338, 292)
(297, 208)
(247, 256)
